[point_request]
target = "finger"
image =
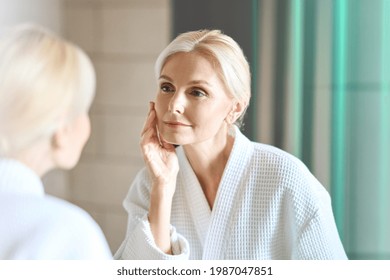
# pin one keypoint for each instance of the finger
(150, 122)
(149, 136)
(151, 150)
(163, 143)
(151, 107)
(167, 146)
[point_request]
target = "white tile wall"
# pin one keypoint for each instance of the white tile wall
(123, 39)
(82, 25)
(134, 30)
(56, 183)
(121, 136)
(45, 12)
(130, 82)
(103, 181)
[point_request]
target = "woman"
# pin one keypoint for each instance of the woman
(46, 88)
(218, 195)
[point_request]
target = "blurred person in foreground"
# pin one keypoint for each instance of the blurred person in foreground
(207, 192)
(46, 88)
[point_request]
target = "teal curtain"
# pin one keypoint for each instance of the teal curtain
(361, 125)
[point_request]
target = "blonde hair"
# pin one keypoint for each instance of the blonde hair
(224, 52)
(44, 82)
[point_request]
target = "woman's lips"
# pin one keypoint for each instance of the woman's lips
(176, 124)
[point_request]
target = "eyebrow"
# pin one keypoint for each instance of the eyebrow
(194, 82)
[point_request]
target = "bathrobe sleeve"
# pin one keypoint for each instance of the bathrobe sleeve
(139, 242)
(318, 238)
(314, 235)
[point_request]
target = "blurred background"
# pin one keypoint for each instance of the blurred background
(320, 90)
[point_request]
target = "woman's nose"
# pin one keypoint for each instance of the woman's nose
(176, 104)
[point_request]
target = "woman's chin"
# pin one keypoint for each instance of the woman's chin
(177, 138)
(168, 139)
(172, 142)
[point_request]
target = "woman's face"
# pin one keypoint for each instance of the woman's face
(192, 102)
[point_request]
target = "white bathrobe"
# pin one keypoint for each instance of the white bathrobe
(38, 226)
(268, 206)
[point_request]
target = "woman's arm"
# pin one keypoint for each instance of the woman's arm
(148, 203)
(162, 164)
(139, 243)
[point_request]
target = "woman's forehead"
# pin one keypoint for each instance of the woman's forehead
(191, 64)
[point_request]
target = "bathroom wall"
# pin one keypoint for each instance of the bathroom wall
(123, 39)
(46, 12)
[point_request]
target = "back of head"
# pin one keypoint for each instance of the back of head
(227, 56)
(44, 82)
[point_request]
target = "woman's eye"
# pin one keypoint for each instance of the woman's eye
(167, 88)
(198, 93)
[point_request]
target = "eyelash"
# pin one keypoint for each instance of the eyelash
(164, 88)
(196, 92)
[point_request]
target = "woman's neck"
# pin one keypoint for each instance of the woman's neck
(208, 160)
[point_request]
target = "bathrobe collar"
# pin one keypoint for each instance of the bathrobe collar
(17, 178)
(213, 226)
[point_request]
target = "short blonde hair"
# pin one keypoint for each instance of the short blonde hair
(232, 65)
(44, 82)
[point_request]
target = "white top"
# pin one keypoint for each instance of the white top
(268, 206)
(38, 226)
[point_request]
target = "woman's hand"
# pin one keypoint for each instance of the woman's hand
(162, 162)
(159, 156)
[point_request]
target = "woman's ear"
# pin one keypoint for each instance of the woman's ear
(60, 146)
(60, 138)
(69, 140)
(236, 112)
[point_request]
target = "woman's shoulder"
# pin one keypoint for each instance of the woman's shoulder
(58, 214)
(273, 156)
(76, 226)
(291, 172)
(56, 228)
(65, 209)
(292, 179)
(266, 155)
(61, 214)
